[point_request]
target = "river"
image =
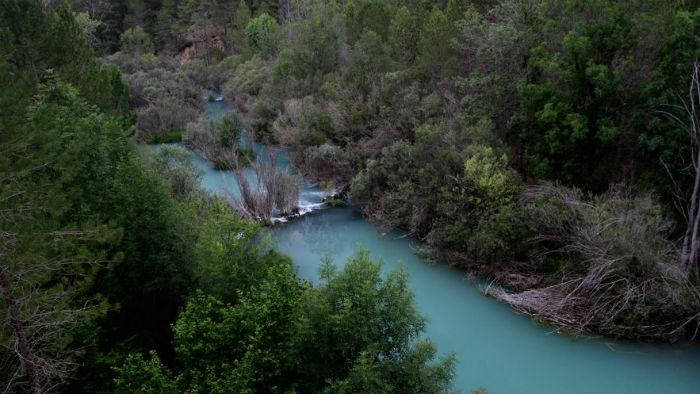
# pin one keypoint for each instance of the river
(496, 348)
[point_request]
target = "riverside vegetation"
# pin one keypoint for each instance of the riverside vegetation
(551, 146)
(117, 274)
(555, 158)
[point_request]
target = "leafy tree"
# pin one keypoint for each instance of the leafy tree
(576, 104)
(89, 28)
(135, 41)
(112, 14)
(403, 36)
(360, 332)
(662, 137)
(242, 347)
(357, 333)
(230, 129)
(230, 263)
(48, 256)
(487, 184)
(155, 273)
(262, 35)
(370, 61)
(175, 164)
(144, 376)
(493, 49)
(38, 42)
(241, 22)
(223, 347)
(167, 32)
(138, 14)
(360, 16)
(314, 51)
(435, 54)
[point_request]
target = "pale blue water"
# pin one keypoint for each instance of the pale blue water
(496, 348)
(222, 182)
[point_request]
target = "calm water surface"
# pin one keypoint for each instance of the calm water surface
(496, 348)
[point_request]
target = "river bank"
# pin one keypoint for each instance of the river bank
(496, 348)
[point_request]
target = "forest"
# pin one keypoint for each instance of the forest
(549, 147)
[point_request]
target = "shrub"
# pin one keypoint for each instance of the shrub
(136, 41)
(247, 80)
(167, 138)
(272, 189)
(229, 129)
(175, 164)
(263, 35)
(622, 276)
(165, 98)
(200, 136)
(303, 123)
(328, 162)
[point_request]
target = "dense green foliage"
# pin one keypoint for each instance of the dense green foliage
(536, 142)
(438, 116)
(110, 250)
(357, 333)
(164, 97)
(37, 45)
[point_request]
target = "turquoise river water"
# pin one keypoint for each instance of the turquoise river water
(496, 348)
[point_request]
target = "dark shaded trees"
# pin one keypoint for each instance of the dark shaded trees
(356, 333)
(47, 255)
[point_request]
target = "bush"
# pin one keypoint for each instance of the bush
(167, 138)
(262, 113)
(219, 142)
(498, 241)
(328, 162)
(135, 41)
(337, 203)
(272, 189)
(221, 72)
(200, 136)
(175, 164)
(623, 276)
(303, 123)
(198, 72)
(165, 98)
(263, 35)
(247, 81)
(229, 129)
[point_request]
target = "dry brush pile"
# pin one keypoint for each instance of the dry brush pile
(271, 190)
(618, 274)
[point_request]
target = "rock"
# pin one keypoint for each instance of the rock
(197, 48)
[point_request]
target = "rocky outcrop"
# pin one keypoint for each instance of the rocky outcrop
(204, 48)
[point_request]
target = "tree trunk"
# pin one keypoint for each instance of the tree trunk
(283, 8)
(23, 350)
(689, 246)
(691, 232)
(695, 132)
